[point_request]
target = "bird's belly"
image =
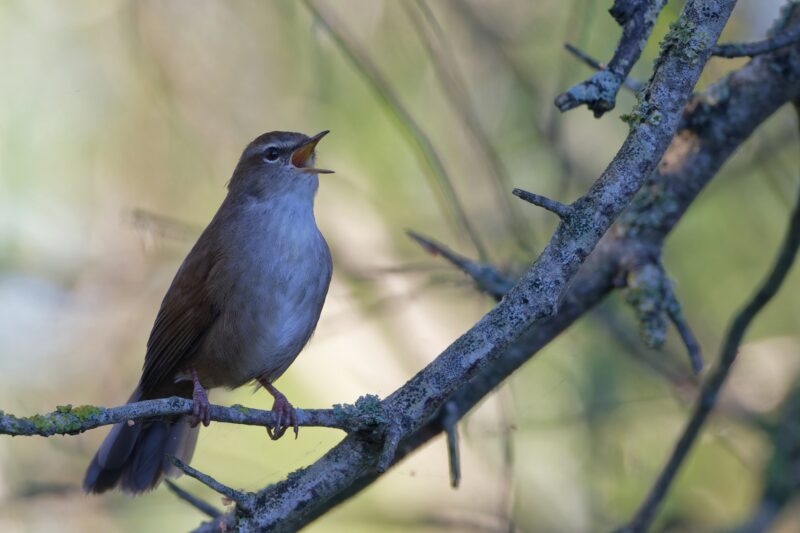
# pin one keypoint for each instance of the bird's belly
(268, 320)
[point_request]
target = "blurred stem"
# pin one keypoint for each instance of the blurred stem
(444, 61)
(432, 163)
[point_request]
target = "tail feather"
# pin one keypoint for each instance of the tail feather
(135, 457)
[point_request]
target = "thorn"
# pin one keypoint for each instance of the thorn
(450, 426)
(563, 211)
(389, 446)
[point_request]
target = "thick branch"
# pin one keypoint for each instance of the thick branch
(710, 391)
(599, 92)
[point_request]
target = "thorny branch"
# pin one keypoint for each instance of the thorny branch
(599, 92)
(351, 465)
(714, 125)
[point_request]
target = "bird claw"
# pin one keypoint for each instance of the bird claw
(285, 417)
(201, 411)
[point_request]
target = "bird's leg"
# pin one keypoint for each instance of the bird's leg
(284, 412)
(200, 409)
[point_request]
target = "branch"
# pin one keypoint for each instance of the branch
(599, 92)
(68, 420)
(782, 40)
(710, 391)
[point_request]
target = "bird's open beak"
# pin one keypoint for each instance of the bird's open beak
(301, 157)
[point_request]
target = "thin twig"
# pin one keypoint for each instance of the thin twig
(710, 391)
(423, 146)
(199, 504)
(783, 39)
(242, 499)
(563, 211)
(599, 91)
(68, 420)
(631, 84)
(689, 340)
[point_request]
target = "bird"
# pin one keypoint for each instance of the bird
(241, 307)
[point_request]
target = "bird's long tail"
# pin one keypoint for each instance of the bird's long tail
(135, 457)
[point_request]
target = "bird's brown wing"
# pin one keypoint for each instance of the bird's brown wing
(186, 315)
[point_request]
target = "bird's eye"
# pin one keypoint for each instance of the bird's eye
(271, 154)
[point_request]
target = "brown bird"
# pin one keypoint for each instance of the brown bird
(241, 307)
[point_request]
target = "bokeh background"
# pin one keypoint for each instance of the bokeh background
(121, 121)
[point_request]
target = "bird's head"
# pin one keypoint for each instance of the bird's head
(278, 162)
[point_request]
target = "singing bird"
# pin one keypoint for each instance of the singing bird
(242, 306)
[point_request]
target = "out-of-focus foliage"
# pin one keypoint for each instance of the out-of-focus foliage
(120, 122)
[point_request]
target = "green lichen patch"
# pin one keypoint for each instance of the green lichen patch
(367, 410)
(684, 37)
(644, 112)
(84, 412)
(647, 292)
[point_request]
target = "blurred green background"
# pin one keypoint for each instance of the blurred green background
(121, 121)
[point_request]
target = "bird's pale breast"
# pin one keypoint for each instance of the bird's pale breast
(270, 291)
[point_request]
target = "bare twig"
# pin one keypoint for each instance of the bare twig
(68, 420)
(689, 340)
(563, 211)
(781, 40)
(487, 277)
(631, 84)
(199, 504)
(432, 163)
(599, 92)
(242, 499)
(710, 391)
